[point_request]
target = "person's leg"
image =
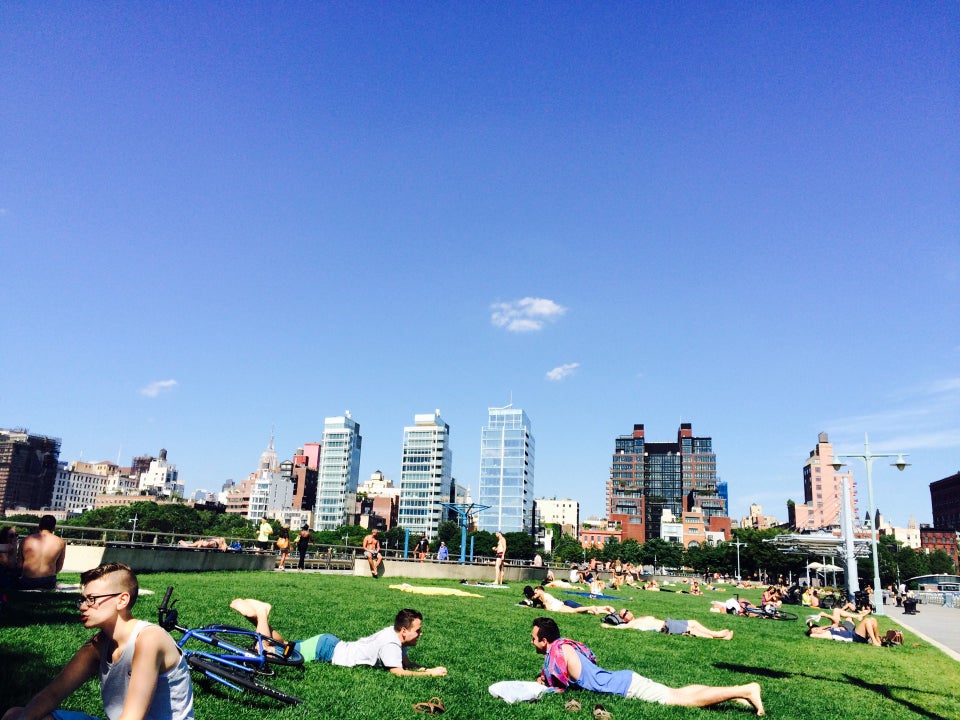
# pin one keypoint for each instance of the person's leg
(706, 695)
(258, 613)
(870, 630)
(698, 630)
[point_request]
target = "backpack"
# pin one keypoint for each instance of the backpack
(892, 637)
(612, 619)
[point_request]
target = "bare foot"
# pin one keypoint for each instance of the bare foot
(251, 608)
(753, 697)
(727, 635)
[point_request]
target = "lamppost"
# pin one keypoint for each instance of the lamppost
(868, 457)
(738, 544)
(133, 534)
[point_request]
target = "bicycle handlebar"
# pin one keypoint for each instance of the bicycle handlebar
(166, 597)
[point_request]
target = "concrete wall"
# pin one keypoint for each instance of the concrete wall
(164, 558)
(449, 571)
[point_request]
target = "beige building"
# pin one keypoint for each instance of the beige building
(822, 491)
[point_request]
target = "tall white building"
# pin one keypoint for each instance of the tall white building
(338, 473)
(425, 475)
(506, 471)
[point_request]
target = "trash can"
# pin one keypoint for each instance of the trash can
(909, 606)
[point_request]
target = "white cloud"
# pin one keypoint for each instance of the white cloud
(157, 387)
(525, 315)
(562, 372)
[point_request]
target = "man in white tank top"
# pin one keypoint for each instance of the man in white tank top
(142, 672)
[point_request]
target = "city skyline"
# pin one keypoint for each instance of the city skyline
(219, 220)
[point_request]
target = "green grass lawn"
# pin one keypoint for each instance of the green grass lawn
(486, 639)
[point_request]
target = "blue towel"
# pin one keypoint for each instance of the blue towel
(597, 597)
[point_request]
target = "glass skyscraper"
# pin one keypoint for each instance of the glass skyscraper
(425, 475)
(506, 471)
(338, 473)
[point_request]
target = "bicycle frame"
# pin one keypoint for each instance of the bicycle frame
(238, 657)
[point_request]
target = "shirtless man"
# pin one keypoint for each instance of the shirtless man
(371, 550)
(41, 557)
(501, 551)
(668, 626)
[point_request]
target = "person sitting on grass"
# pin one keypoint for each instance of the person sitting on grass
(385, 649)
(551, 604)
(570, 664)
(629, 621)
(142, 672)
(866, 631)
(214, 543)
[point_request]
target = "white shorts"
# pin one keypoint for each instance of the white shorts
(642, 688)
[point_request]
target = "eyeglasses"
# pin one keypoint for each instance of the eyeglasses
(89, 600)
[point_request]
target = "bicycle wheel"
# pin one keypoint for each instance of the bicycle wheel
(238, 680)
(783, 615)
(247, 641)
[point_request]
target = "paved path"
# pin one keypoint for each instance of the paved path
(937, 624)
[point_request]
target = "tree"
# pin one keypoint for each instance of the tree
(567, 550)
(660, 553)
(520, 546)
(940, 563)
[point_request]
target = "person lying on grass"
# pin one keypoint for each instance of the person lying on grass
(570, 664)
(143, 674)
(551, 604)
(866, 631)
(671, 627)
(386, 649)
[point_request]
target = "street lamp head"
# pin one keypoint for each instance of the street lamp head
(900, 464)
(836, 464)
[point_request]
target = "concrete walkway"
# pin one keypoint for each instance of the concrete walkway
(937, 624)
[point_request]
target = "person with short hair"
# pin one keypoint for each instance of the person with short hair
(385, 649)
(629, 621)
(41, 557)
(371, 551)
(568, 663)
(143, 674)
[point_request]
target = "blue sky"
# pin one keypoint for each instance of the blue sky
(218, 219)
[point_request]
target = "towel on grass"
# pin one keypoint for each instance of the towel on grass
(597, 597)
(424, 590)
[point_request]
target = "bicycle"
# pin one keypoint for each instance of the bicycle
(238, 657)
(770, 612)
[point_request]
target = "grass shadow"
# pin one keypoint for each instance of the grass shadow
(884, 691)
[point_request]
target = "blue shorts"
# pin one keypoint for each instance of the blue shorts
(71, 715)
(319, 648)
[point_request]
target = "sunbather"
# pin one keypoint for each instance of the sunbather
(668, 626)
(551, 604)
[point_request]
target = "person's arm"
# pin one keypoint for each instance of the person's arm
(410, 669)
(150, 656)
(61, 556)
(82, 666)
